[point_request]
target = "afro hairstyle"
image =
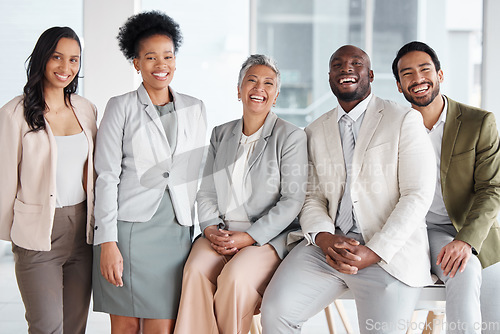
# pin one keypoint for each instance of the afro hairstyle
(145, 25)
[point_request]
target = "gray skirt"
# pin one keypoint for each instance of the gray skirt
(154, 253)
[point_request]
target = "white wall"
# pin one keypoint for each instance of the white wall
(106, 71)
(491, 53)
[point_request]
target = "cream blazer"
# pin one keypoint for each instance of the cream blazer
(135, 164)
(393, 180)
(28, 169)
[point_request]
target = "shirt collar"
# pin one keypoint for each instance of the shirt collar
(442, 117)
(357, 111)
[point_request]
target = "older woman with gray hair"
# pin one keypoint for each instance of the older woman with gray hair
(251, 193)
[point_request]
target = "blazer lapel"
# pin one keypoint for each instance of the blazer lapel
(373, 115)
(152, 113)
(334, 144)
(262, 142)
(450, 132)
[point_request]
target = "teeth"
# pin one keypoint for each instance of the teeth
(161, 75)
(62, 76)
(420, 89)
(257, 98)
(347, 80)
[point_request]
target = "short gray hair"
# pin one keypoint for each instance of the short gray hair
(259, 60)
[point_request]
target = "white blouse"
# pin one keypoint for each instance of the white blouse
(241, 188)
(72, 152)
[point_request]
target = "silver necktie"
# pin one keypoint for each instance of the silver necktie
(345, 218)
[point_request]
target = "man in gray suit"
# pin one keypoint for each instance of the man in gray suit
(371, 182)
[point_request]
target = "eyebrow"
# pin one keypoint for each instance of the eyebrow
(153, 52)
(409, 68)
(63, 54)
(356, 57)
(267, 78)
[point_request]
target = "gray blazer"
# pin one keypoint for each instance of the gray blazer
(135, 164)
(278, 177)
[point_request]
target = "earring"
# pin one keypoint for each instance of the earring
(274, 105)
(138, 71)
(239, 99)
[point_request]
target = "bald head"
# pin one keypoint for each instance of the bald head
(352, 51)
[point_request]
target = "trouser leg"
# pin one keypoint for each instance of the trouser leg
(196, 310)
(40, 282)
(302, 286)
(77, 278)
(463, 310)
(490, 299)
(240, 287)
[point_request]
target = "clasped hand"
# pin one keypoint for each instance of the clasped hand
(227, 242)
(344, 254)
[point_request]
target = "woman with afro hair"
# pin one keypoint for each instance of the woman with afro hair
(148, 159)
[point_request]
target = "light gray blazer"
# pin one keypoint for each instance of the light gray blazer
(135, 164)
(278, 177)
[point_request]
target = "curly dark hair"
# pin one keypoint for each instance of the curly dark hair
(34, 98)
(144, 25)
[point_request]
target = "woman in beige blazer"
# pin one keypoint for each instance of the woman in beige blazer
(251, 193)
(46, 197)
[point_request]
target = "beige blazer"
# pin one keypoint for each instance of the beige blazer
(393, 180)
(28, 169)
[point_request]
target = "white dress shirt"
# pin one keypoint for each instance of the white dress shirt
(437, 212)
(241, 188)
(357, 114)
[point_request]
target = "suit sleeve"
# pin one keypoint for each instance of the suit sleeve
(293, 173)
(417, 181)
(486, 197)
(208, 210)
(10, 151)
(108, 160)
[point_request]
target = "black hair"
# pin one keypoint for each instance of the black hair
(414, 46)
(34, 98)
(144, 25)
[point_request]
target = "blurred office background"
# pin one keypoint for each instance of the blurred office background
(300, 34)
(218, 36)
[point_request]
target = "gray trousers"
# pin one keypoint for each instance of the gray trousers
(472, 297)
(55, 285)
(305, 284)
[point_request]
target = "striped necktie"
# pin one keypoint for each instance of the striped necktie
(345, 218)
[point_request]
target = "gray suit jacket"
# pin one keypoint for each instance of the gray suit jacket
(135, 164)
(277, 173)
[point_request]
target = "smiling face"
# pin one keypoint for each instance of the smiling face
(259, 90)
(156, 62)
(419, 80)
(350, 74)
(63, 65)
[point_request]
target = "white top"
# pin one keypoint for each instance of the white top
(437, 213)
(241, 187)
(72, 152)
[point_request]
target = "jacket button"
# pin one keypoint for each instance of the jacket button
(166, 174)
